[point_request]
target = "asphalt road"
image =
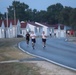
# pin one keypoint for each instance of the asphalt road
(57, 51)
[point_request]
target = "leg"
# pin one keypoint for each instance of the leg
(27, 41)
(44, 42)
(33, 43)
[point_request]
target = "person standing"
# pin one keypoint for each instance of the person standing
(44, 39)
(27, 38)
(33, 39)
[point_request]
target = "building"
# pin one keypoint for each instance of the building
(11, 28)
(44, 26)
(23, 29)
(59, 30)
(31, 26)
(2, 29)
(8, 29)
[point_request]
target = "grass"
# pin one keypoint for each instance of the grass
(10, 51)
(18, 69)
(10, 42)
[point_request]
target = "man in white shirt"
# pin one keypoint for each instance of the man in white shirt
(44, 39)
(33, 38)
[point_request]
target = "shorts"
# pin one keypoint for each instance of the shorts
(43, 40)
(27, 39)
(50, 34)
(33, 40)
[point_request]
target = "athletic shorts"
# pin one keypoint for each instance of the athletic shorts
(33, 40)
(27, 39)
(43, 40)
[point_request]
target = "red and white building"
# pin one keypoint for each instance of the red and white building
(11, 28)
(8, 29)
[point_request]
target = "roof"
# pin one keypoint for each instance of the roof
(56, 26)
(23, 24)
(5, 23)
(33, 23)
(45, 24)
(9, 21)
(0, 23)
(68, 28)
(13, 22)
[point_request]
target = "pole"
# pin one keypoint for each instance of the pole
(15, 21)
(7, 23)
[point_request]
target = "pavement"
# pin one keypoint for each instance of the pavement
(57, 51)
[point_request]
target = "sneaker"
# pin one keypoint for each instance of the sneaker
(44, 46)
(33, 47)
(27, 45)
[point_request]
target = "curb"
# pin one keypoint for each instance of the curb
(46, 59)
(10, 61)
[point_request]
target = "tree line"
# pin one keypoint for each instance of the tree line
(55, 14)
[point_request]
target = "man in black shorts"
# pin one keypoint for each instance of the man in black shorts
(44, 39)
(33, 38)
(27, 38)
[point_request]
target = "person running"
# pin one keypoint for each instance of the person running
(33, 39)
(44, 39)
(27, 38)
(50, 33)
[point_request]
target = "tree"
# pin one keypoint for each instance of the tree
(53, 12)
(1, 16)
(65, 15)
(41, 16)
(20, 9)
(72, 19)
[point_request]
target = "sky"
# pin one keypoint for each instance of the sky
(37, 4)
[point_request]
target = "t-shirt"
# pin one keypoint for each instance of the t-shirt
(33, 36)
(43, 36)
(27, 36)
(50, 32)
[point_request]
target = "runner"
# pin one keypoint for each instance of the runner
(27, 38)
(50, 33)
(33, 39)
(44, 39)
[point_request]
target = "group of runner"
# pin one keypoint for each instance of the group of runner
(33, 39)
